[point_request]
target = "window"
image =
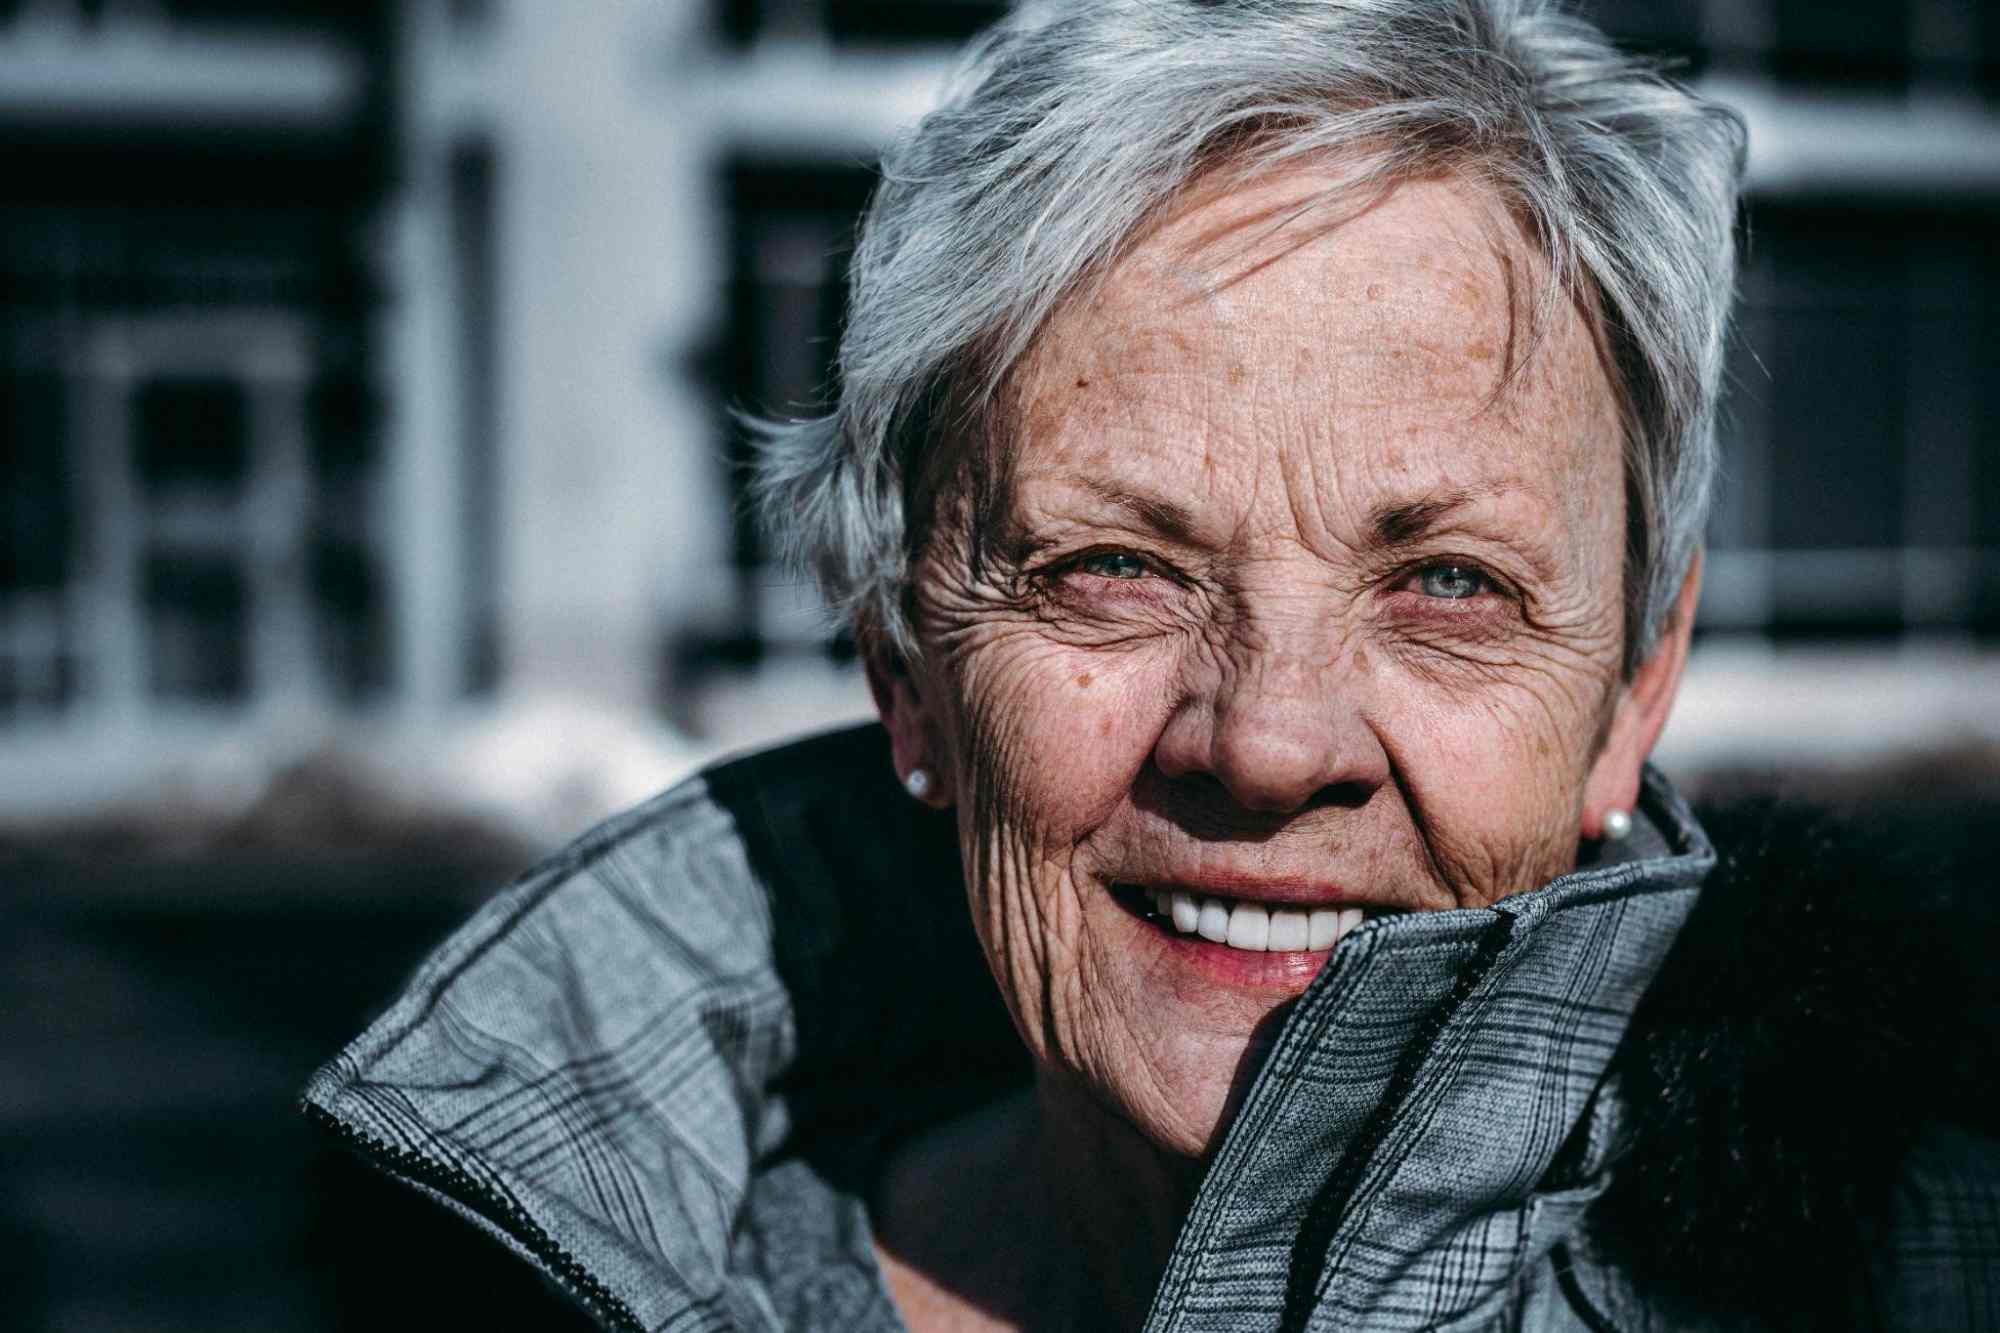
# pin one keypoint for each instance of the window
(235, 517)
(792, 227)
(188, 490)
(1858, 495)
(37, 544)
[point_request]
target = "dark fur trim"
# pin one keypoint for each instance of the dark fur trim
(1816, 1012)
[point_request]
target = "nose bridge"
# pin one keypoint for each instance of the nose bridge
(1288, 717)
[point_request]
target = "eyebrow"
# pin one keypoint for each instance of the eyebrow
(1404, 521)
(1396, 523)
(1164, 516)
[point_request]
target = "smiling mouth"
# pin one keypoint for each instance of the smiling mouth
(1240, 924)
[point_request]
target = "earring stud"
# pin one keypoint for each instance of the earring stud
(1617, 825)
(918, 783)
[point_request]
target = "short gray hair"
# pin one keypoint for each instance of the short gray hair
(1070, 126)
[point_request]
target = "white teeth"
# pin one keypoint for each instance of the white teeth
(1253, 927)
(1290, 930)
(1213, 924)
(1249, 927)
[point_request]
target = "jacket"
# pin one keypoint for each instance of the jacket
(665, 1067)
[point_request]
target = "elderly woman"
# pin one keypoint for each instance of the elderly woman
(1267, 481)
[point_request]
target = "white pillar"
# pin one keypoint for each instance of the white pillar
(611, 510)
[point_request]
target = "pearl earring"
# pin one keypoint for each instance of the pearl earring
(1617, 825)
(918, 784)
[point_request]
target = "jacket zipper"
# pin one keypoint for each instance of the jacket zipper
(562, 1266)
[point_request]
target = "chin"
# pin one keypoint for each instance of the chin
(1187, 1025)
(1206, 1099)
(1182, 1094)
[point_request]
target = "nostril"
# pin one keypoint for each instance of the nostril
(1204, 807)
(1334, 795)
(1345, 795)
(1272, 751)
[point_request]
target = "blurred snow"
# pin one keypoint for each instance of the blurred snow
(1830, 708)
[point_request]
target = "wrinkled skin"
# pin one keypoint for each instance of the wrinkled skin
(1289, 581)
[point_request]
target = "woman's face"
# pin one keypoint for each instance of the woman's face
(1293, 601)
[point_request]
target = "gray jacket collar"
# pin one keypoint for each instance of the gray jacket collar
(662, 1067)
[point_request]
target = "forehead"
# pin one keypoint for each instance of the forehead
(1396, 344)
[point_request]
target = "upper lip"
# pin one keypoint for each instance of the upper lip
(1292, 890)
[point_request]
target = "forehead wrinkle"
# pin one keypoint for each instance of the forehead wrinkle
(1134, 361)
(1444, 485)
(1170, 272)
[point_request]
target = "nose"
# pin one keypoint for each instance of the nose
(1280, 730)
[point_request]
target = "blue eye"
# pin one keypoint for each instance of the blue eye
(1452, 582)
(1113, 565)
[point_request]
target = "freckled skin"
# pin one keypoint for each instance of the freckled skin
(1276, 689)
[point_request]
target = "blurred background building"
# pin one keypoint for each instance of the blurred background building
(368, 509)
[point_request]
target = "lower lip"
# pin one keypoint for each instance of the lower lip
(1290, 971)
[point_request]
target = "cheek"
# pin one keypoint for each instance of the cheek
(1496, 777)
(1051, 737)
(1054, 734)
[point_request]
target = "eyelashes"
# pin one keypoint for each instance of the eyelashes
(1123, 566)
(1453, 580)
(1450, 579)
(1117, 570)
(1445, 606)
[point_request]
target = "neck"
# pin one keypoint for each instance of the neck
(1043, 1211)
(1114, 1203)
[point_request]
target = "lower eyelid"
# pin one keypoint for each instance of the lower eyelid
(1490, 599)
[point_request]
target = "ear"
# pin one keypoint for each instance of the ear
(1641, 713)
(912, 729)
